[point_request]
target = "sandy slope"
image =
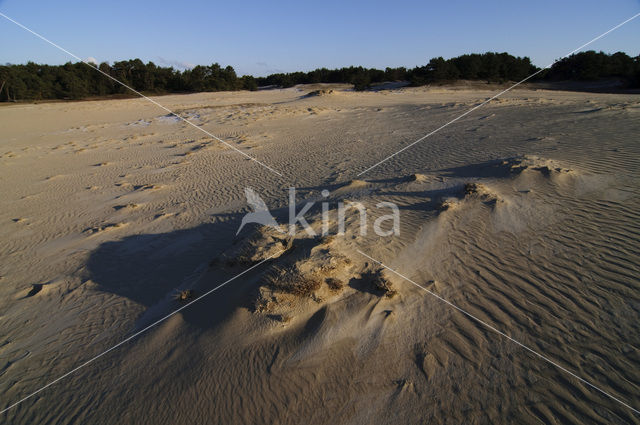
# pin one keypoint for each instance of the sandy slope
(110, 207)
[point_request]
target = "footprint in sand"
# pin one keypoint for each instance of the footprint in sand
(148, 187)
(129, 206)
(91, 231)
(163, 215)
(35, 288)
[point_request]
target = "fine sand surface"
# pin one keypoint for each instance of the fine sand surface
(525, 213)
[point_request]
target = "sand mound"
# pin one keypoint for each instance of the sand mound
(420, 178)
(546, 167)
(482, 192)
(265, 242)
(512, 167)
(353, 187)
(306, 272)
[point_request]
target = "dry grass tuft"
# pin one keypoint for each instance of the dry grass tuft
(381, 283)
(184, 295)
(471, 188)
(319, 93)
(293, 283)
(334, 284)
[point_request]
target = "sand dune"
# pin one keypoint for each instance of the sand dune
(524, 213)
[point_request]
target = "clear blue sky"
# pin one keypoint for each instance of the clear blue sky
(272, 36)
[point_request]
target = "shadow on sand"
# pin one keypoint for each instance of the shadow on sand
(150, 269)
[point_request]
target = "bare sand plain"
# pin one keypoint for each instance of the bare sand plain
(524, 213)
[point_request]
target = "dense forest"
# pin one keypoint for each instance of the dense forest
(78, 80)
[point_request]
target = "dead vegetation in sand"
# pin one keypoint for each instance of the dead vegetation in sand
(304, 270)
(321, 92)
(184, 295)
(379, 282)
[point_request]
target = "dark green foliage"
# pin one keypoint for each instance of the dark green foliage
(487, 66)
(78, 80)
(249, 83)
(591, 66)
(491, 67)
(360, 77)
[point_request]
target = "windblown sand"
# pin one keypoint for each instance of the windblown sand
(525, 213)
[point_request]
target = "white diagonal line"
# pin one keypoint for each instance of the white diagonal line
(139, 333)
(531, 350)
(141, 95)
(497, 95)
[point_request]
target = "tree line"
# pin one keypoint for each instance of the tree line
(77, 80)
